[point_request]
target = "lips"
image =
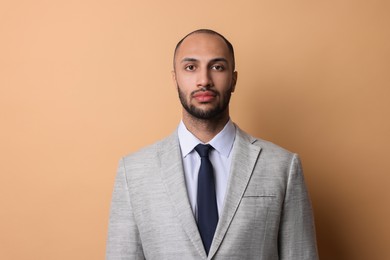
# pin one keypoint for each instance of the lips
(204, 96)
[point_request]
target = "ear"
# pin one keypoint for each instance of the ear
(174, 80)
(234, 80)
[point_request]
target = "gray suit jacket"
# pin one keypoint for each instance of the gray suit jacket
(266, 215)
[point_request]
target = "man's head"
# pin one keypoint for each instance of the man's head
(207, 31)
(204, 74)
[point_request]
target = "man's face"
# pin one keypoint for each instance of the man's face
(204, 75)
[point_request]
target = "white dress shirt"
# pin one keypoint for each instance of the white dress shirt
(220, 157)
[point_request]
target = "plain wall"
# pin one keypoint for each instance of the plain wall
(85, 82)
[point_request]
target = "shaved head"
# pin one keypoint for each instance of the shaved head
(207, 31)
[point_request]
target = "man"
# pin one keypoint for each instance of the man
(210, 191)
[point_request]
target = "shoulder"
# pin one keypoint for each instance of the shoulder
(273, 161)
(151, 152)
(264, 145)
(268, 151)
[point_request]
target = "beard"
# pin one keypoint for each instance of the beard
(212, 113)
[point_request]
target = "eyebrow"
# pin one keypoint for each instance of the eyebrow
(187, 59)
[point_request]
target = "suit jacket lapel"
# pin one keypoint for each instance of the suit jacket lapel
(173, 177)
(245, 155)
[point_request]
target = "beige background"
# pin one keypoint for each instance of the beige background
(84, 82)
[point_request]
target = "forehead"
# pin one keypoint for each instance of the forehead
(203, 46)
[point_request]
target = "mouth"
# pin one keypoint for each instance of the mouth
(204, 96)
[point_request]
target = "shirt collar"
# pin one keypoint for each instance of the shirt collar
(222, 142)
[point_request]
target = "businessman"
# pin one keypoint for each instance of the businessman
(210, 190)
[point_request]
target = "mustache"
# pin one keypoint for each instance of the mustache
(204, 90)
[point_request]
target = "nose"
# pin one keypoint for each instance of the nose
(204, 79)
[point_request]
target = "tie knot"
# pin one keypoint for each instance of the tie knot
(203, 149)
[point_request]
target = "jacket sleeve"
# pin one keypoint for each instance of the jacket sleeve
(297, 238)
(123, 237)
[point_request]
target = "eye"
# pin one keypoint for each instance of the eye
(218, 67)
(189, 67)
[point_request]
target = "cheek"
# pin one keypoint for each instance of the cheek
(183, 91)
(222, 78)
(183, 77)
(224, 84)
(184, 83)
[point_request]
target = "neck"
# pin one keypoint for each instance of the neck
(205, 129)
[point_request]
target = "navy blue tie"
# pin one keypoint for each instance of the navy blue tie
(206, 200)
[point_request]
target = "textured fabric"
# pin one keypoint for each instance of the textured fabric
(267, 212)
(207, 203)
(220, 157)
